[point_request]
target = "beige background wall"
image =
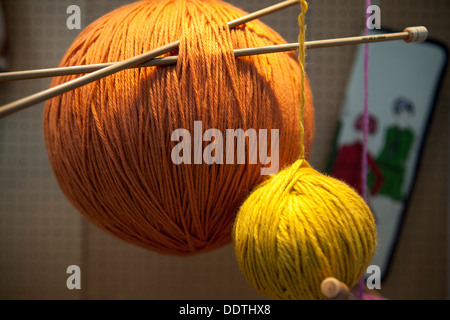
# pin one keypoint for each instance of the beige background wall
(41, 234)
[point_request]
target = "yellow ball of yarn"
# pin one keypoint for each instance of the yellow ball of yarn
(300, 227)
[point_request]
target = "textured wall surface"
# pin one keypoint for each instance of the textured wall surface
(41, 234)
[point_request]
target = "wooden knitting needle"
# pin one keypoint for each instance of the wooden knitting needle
(333, 289)
(411, 34)
(261, 13)
(23, 103)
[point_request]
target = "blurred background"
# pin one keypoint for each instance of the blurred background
(41, 234)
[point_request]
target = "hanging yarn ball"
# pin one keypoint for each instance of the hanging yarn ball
(110, 142)
(300, 227)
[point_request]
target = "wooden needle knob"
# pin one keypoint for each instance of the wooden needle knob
(333, 289)
(417, 34)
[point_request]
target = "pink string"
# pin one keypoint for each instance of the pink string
(365, 128)
(366, 109)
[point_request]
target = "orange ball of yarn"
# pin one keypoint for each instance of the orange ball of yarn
(109, 142)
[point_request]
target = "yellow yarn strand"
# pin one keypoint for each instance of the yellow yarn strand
(302, 61)
(299, 226)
